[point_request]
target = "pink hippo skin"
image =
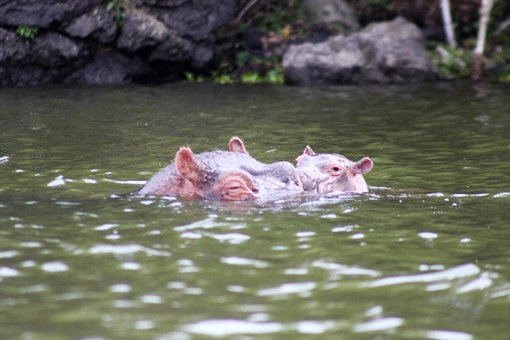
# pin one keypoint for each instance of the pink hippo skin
(324, 173)
(223, 175)
(332, 173)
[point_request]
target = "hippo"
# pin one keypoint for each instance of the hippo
(332, 173)
(223, 175)
(324, 174)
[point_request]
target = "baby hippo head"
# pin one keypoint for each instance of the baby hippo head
(200, 180)
(332, 173)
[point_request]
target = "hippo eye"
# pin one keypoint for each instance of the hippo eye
(237, 190)
(335, 170)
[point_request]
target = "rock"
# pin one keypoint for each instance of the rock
(332, 12)
(23, 75)
(197, 20)
(13, 48)
(41, 13)
(53, 50)
(98, 24)
(201, 57)
(139, 30)
(173, 49)
(388, 52)
(109, 68)
(82, 41)
(45, 59)
(161, 3)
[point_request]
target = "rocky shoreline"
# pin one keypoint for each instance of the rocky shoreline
(106, 42)
(125, 41)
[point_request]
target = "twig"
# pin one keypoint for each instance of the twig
(245, 9)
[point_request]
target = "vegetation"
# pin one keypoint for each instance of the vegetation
(119, 9)
(27, 32)
(252, 47)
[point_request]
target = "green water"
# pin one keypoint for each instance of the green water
(424, 255)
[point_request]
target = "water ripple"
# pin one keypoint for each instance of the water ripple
(8, 272)
(448, 335)
(226, 327)
(57, 182)
(484, 281)
(300, 288)
(378, 325)
(232, 238)
(458, 272)
(4, 159)
(241, 261)
(55, 267)
(126, 249)
(336, 269)
(207, 223)
(258, 324)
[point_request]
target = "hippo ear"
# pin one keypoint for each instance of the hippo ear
(188, 166)
(306, 152)
(364, 165)
(236, 145)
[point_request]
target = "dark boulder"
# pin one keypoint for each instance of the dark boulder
(81, 41)
(42, 13)
(173, 49)
(194, 22)
(387, 52)
(53, 50)
(45, 59)
(141, 30)
(109, 67)
(13, 48)
(98, 24)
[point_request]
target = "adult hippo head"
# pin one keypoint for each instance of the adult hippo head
(223, 175)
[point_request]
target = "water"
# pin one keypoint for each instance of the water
(426, 254)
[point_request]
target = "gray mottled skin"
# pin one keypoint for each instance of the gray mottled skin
(268, 178)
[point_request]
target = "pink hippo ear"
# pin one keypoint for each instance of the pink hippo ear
(236, 145)
(364, 165)
(306, 152)
(188, 166)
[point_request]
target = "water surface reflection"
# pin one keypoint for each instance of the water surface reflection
(423, 255)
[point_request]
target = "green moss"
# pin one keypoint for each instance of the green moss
(27, 32)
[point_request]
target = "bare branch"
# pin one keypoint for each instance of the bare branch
(447, 22)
